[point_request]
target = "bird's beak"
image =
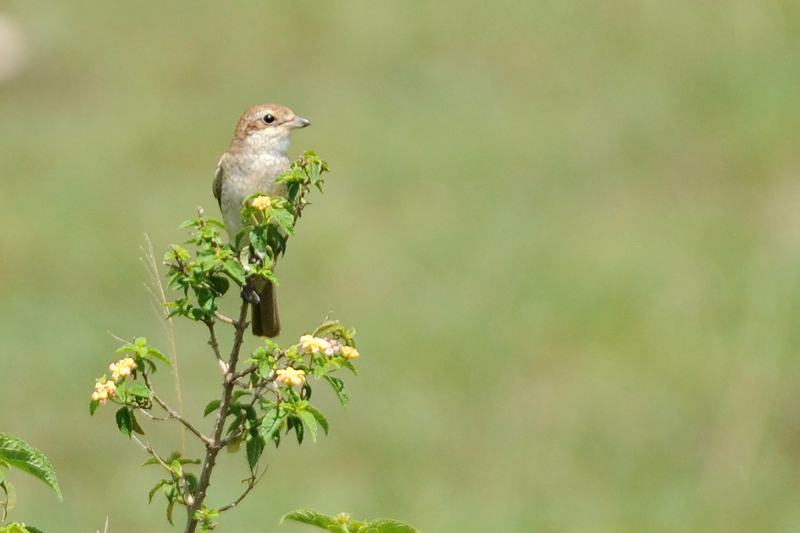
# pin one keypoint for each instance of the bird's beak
(298, 122)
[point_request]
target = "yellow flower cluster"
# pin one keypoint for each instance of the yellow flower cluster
(103, 390)
(317, 344)
(329, 347)
(291, 376)
(348, 352)
(262, 203)
(122, 368)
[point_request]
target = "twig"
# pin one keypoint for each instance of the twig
(222, 318)
(149, 449)
(172, 413)
(249, 370)
(252, 482)
(215, 345)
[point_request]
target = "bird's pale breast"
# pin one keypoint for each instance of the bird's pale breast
(243, 176)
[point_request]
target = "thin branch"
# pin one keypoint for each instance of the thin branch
(249, 370)
(172, 413)
(215, 345)
(252, 482)
(222, 318)
(118, 338)
(149, 449)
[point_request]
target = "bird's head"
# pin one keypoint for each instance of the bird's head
(266, 127)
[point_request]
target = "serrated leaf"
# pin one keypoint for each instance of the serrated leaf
(234, 269)
(155, 489)
(319, 418)
(170, 506)
(206, 300)
(388, 525)
(219, 284)
(255, 447)
(349, 365)
(195, 314)
(310, 422)
(284, 219)
(212, 406)
(140, 390)
(338, 388)
(121, 391)
(126, 348)
(310, 517)
(327, 327)
(135, 425)
(152, 352)
(294, 422)
(271, 424)
(188, 223)
(124, 422)
(21, 455)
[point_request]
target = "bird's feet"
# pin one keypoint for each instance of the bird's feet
(249, 295)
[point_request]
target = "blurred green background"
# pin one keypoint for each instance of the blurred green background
(568, 234)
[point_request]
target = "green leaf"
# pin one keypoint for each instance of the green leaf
(152, 352)
(170, 506)
(387, 525)
(234, 269)
(285, 220)
(271, 424)
(124, 421)
(196, 314)
(295, 423)
(126, 348)
(135, 425)
(155, 489)
(206, 299)
(310, 422)
(122, 391)
(140, 390)
(338, 388)
(212, 406)
(327, 328)
(310, 517)
(219, 284)
(21, 455)
(255, 447)
(319, 418)
(93, 406)
(188, 224)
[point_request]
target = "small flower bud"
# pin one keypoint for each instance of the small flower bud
(262, 203)
(348, 352)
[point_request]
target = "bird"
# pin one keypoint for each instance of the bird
(256, 157)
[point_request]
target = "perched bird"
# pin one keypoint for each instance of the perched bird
(256, 157)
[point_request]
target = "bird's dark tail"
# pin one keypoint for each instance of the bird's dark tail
(266, 322)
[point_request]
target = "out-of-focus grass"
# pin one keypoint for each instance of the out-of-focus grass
(567, 233)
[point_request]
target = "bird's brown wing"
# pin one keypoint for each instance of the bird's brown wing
(216, 185)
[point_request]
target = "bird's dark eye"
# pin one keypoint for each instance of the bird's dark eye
(269, 119)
